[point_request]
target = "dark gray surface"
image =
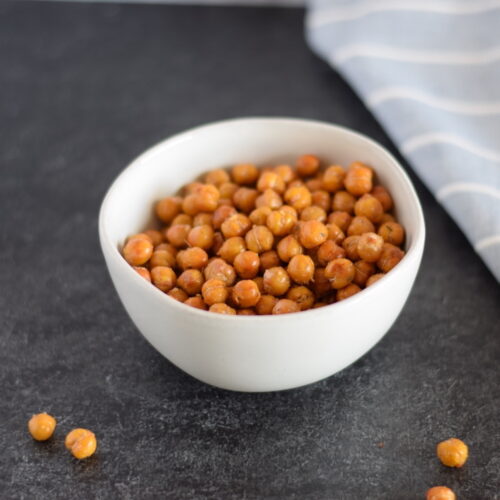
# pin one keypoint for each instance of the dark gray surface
(85, 88)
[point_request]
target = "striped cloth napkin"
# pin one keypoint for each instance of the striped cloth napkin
(430, 72)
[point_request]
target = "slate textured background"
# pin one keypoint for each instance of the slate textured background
(84, 89)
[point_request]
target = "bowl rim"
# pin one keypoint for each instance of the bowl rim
(413, 252)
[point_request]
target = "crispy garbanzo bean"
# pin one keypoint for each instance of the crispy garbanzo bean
(201, 236)
(163, 277)
(343, 202)
(266, 304)
(245, 174)
(382, 195)
(217, 177)
(387, 218)
(177, 235)
(162, 258)
(347, 291)
(221, 308)
(191, 281)
(203, 219)
(341, 219)
(276, 281)
(286, 306)
(259, 215)
(373, 278)
(314, 184)
(245, 293)
(392, 232)
(221, 214)
(340, 272)
(299, 197)
(452, 452)
(271, 180)
(335, 233)
(312, 233)
(246, 312)
(244, 199)
(358, 179)
(247, 264)
(260, 283)
(440, 493)
(301, 269)
(227, 190)
(259, 239)
(390, 256)
(42, 426)
(178, 294)
(302, 295)
(360, 225)
(350, 245)
(192, 258)
(333, 178)
(167, 208)
(286, 172)
(155, 236)
(269, 198)
(281, 222)
(142, 271)
(138, 251)
(307, 165)
(220, 270)
(313, 213)
(214, 292)
(328, 251)
(236, 225)
(181, 219)
(321, 198)
(269, 259)
(363, 272)
(81, 442)
(288, 247)
(370, 247)
(369, 207)
(231, 248)
(196, 302)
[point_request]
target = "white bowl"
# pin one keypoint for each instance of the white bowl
(255, 353)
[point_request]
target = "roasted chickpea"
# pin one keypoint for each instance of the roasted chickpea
(302, 296)
(328, 251)
(177, 235)
(178, 294)
(299, 197)
(162, 258)
(247, 264)
(363, 271)
(138, 251)
(202, 219)
(214, 292)
(192, 258)
(259, 215)
(340, 272)
(190, 204)
(142, 271)
(296, 183)
(281, 222)
(163, 277)
(244, 199)
(369, 207)
(81, 442)
(227, 190)
(382, 195)
(343, 202)
(390, 256)
(196, 302)
(221, 214)
(392, 232)
(269, 198)
(245, 312)
(181, 219)
(350, 245)
(42, 426)
(222, 309)
(301, 269)
(313, 213)
(220, 270)
(245, 173)
(452, 452)
(206, 198)
(190, 281)
(201, 236)
(285, 172)
(259, 239)
(341, 219)
(333, 178)
(360, 225)
(440, 493)
(231, 248)
(347, 291)
(314, 184)
(286, 306)
(271, 180)
(373, 278)
(370, 247)
(217, 177)
(266, 304)
(276, 281)
(321, 284)
(312, 233)
(155, 236)
(168, 247)
(269, 259)
(359, 179)
(245, 293)
(321, 198)
(289, 210)
(307, 165)
(335, 233)
(236, 225)
(167, 208)
(288, 247)
(192, 187)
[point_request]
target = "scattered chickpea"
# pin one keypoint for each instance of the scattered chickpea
(299, 197)
(301, 295)
(271, 180)
(383, 196)
(360, 225)
(167, 208)
(343, 202)
(259, 239)
(190, 281)
(358, 180)
(227, 190)
(203, 219)
(341, 219)
(269, 259)
(390, 256)
(281, 222)
(181, 219)
(452, 452)
(347, 291)
(221, 214)
(285, 172)
(259, 215)
(221, 270)
(328, 251)
(392, 232)
(269, 198)
(177, 235)
(350, 245)
(301, 269)
(313, 213)
(335, 233)
(236, 225)
(440, 493)
(217, 177)
(364, 270)
(333, 178)
(245, 293)
(370, 247)
(340, 272)
(266, 304)
(178, 294)
(142, 271)
(231, 248)
(312, 233)
(246, 312)
(42, 426)
(81, 442)
(369, 207)
(307, 165)
(276, 281)
(163, 277)
(373, 278)
(163, 258)
(192, 258)
(196, 302)
(286, 306)
(155, 236)
(221, 308)
(288, 247)
(138, 251)
(321, 198)
(247, 264)
(245, 174)
(244, 199)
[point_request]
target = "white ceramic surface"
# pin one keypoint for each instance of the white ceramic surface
(255, 353)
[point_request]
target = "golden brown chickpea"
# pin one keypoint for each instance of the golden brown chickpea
(81, 442)
(247, 264)
(363, 271)
(138, 251)
(259, 216)
(214, 292)
(347, 291)
(288, 247)
(245, 174)
(387, 218)
(140, 236)
(246, 293)
(312, 233)
(259, 280)
(269, 259)
(231, 248)
(42, 426)
(162, 258)
(190, 204)
(307, 165)
(163, 277)
(259, 239)
(155, 236)
(360, 225)
(220, 308)
(196, 302)
(227, 190)
(452, 452)
(190, 281)
(217, 177)
(289, 210)
(192, 187)
(202, 219)
(142, 271)
(178, 294)
(333, 178)
(269, 198)
(302, 296)
(206, 198)
(369, 207)
(350, 245)
(271, 180)
(440, 493)
(245, 312)
(327, 251)
(220, 270)
(299, 197)
(382, 195)
(343, 202)
(192, 258)
(335, 233)
(285, 172)
(168, 247)
(218, 242)
(177, 235)
(321, 284)
(167, 208)
(281, 222)
(236, 225)
(370, 247)
(221, 214)
(321, 198)
(301, 269)
(244, 199)
(358, 179)
(374, 278)
(201, 236)
(390, 256)
(266, 304)
(181, 219)
(276, 281)
(296, 183)
(314, 184)
(392, 232)
(313, 213)
(340, 272)
(341, 219)
(286, 306)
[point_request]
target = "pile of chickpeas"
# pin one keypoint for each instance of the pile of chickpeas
(273, 240)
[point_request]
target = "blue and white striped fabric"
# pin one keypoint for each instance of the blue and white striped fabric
(430, 72)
